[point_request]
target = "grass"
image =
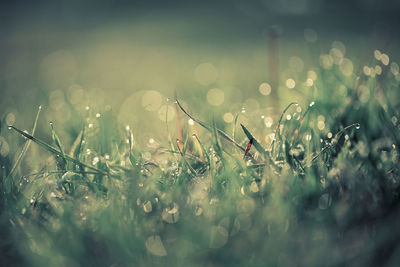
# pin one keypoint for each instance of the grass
(301, 194)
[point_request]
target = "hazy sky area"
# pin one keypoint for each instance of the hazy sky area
(87, 49)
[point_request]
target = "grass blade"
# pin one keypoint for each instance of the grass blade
(58, 144)
(204, 125)
(55, 151)
(254, 141)
(27, 144)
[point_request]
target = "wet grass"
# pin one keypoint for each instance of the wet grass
(318, 187)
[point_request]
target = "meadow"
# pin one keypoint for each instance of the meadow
(203, 177)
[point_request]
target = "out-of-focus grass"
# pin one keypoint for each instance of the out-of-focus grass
(319, 185)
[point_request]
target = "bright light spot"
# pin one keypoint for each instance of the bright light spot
(155, 246)
(162, 113)
(215, 97)
(268, 122)
(98, 115)
(377, 54)
(378, 70)
(254, 187)
(336, 55)
(90, 125)
(326, 61)
(312, 103)
(95, 160)
(147, 207)
(364, 94)
(309, 82)
(265, 89)
(87, 108)
(321, 125)
(346, 67)
(290, 83)
(367, 70)
(385, 59)
(151, 100)
(228, 117)
(191, 122)
(10, 119)
(394, 68)
(312, 75)
(205, 74)
(310, 35)
(127, 127)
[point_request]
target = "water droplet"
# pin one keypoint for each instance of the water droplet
(243, 110)
(51, 122)
(98, 115)
(40, 107)
(262, 117)
(312, 103)
(357, 126)
(9, 127)
(95, 160)
(90, 125)
(127, 127)
(107, 157)
(193, 135)
(147, 207)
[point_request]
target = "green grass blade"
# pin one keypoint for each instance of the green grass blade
(256, 144)
(58, 143)
(55, 151)
(204, 125)
(204, 150)
(26, 146)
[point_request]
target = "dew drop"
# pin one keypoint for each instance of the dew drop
(95, 160)
(357, 126)
(9, 127)
(243, 110)
(312, 103)
(51, 122)
(193, 135)
(98, 115)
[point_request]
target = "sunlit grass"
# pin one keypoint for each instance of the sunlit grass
(316, 183)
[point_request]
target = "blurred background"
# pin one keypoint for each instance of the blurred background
(131, 56)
